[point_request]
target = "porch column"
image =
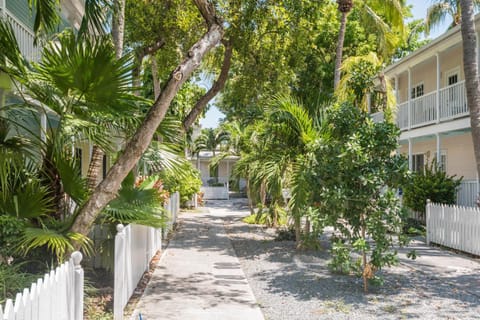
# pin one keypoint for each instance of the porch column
(437, 98)
(409, 98)
(410, 151)
(43, 125)
(439, 153)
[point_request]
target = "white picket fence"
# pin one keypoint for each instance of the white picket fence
(58, 296)
(454, 227)
(467, 193)
(135, 247)
(172, 207)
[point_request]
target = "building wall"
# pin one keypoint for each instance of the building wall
(459, 150)
(20, 9)
(426, 72)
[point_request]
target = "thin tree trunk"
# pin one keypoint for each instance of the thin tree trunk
(366, 273)
(156, 81)
(118, 26)
(298, 232)
(108, 188)
(94, 167)
(338, 58)
(214, 90)
(470, 67)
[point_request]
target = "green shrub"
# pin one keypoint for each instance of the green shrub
(433, 184)
(187, 184)
(13, 280)
(11, 230)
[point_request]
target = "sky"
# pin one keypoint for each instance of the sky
(419, 10)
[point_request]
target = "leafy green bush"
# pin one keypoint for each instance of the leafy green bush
(13, 280)
(433, 184)
(11, 230)
(187, 183)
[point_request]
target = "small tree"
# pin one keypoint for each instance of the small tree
(357, 171)
(431, 183)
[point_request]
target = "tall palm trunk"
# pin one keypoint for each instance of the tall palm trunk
(338, 58)
(94, 167)
(470, 67)
(118, 28)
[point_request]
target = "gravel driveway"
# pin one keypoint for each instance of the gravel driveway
(298, 285)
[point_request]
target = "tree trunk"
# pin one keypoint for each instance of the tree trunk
(156, 81)
(118, 26)
(298, 232)
(94, 167)
(338, 58)
(214, 90)
(107, 189)
(470, 68)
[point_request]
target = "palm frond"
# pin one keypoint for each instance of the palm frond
(47, 15)
(94, 19)
(54, 241)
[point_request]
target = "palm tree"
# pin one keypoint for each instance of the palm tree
(441, 9)
(211, 140)
(383, 16)
(470, 67)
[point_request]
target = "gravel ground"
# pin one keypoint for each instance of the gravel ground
(298, 285)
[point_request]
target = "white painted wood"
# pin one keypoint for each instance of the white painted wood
(135, 246)
(453, 102)
(423, 110)
(402, 115)
(467, 193)
(215, 193)
(455, 227)
(48, 297)
(25, 37)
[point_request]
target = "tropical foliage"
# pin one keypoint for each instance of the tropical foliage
(430, 183)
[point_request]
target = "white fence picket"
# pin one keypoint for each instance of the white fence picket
(48, 298)
(135, 246)
(454, 227)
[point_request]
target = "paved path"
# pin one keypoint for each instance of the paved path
(199, 276)
(456, 268)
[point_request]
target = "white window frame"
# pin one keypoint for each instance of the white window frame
(415, 87)
(451, 72)
(414, 169)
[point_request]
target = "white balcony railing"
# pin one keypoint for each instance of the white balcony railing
(24, 34)
(377, 117)
(422, 111)
(453, 101)
(402, 115)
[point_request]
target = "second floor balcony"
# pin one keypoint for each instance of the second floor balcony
(438, 106)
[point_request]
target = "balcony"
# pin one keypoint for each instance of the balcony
(23, 33)
(423, 111)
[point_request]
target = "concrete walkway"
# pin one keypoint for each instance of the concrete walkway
(456, 268)
(199, 276)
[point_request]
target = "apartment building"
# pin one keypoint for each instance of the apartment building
(432, 110)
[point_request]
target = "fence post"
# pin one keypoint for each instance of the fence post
(428, 217)
(119, 269)
(78, 285)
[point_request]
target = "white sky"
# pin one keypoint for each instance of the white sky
(419, 10)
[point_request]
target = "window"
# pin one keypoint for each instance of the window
(417, 91)
(452, 79)
(418, 162)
